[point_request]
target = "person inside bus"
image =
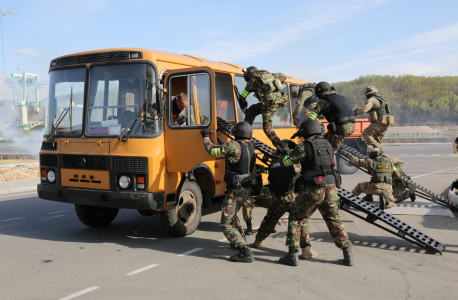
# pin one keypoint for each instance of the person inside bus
(180, 110)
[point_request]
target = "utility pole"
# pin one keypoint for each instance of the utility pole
(4, 13)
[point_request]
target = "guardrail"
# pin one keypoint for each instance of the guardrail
(420, 135)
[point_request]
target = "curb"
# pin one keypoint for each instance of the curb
(18, 189)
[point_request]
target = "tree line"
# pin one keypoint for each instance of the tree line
(414, 100)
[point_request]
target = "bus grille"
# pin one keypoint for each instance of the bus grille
(130, 164)
(49, 160)
(85, 162)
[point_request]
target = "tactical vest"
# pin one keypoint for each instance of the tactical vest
(383, 170)
(239, 174)
(340, 112)
(270, 87)
(318, 165)
(383, 107)
(282, 179)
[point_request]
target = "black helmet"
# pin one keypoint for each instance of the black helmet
(308, 127)
(247, 73)
(322, 87)
(242, 130)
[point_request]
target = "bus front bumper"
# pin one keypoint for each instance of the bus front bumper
(100, 198)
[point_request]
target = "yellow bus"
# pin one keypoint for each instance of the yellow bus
(109, 141)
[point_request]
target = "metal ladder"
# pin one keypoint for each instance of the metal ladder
(398, 227)
(415, 188)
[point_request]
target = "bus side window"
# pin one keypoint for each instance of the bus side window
(224, 97)
(282, 117)
(294, 104)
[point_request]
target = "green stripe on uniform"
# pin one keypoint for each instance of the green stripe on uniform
(313, 116)
(286, 161)
(245, 93)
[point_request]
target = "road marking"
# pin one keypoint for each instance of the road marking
(92, 288)
(418, 155)
(57, 212)
(142, 269)
(453, 155)
(11, 225)
(6, 220)
(190, 251)
(435, 155)
(52, 217)
(434, 172)
(10, 195)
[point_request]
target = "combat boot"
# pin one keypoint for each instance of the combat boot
(249, 228)
(368, 198)
(244, 255)
(348, 256)
(412, 197)
(382, 203)
(307, 253)
(291, 258)
(258, 243)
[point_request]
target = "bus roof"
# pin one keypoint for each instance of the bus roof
(183, 59)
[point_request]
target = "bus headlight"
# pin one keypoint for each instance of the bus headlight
(124, 182)
(51, 176)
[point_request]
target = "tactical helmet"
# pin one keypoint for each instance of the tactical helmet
(374, 152)
(370, 90)
(247, 73)
(322, 87)
(308, 128)
(242, 130)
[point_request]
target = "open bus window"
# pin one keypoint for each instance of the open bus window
(224, 97)
(117, 94)
(301, 115)
(283, 115)
(190, 100)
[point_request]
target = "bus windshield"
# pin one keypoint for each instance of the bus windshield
(66, 99)
(121, 101)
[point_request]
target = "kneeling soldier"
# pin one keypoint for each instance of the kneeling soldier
(240, 162)
(319, 181)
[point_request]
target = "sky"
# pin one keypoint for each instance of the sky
(312, 40)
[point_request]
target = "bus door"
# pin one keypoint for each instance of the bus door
(184, 147)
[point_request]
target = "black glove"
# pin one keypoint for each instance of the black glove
(355, 111)
(220, 140)
(283, 147)
(291, 144)
(205, 132)
(243, 104)
(297, 122)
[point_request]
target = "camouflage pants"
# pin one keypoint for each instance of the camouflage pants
(400, 194)
(281, 205)
(380, 189)
(336, 138)
(268, 111)
(247, 207)
(324, 199)
(230, 223)
(373, 134)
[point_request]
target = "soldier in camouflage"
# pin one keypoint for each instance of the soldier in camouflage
(282, 186)
(306, 99)
(267, 88)
(180, 110)
(337, 111)
(240, 161)
(382, 170)
(379, 115)
(318, 182)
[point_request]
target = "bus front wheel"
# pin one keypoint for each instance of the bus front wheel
(183, 219)
(95, 216)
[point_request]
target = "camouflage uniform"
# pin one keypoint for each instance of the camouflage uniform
(375, 132)
(247, 208)
(234, 199)
(182, 118)
(381, 189)
(305, 99)
(281, 205)
(270, 97)
(335, 138)
(399, 187)
(324, 199)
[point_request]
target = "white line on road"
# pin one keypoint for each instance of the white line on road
(190, 251)
(52, 217)
(57, 212)
(13, 219)
(142, 269)
(11, 195)
(11, 225)
(92, 288)
(432, 173)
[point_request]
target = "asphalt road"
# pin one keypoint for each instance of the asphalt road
(47, 253)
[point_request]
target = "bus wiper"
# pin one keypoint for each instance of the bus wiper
(54, 126)
(132, 123)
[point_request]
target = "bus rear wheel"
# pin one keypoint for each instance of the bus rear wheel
(345, 167)
(183, 219)
(95, 216)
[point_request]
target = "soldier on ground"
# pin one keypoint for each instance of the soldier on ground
(382, 169)
(399, 187)
(379, 116)
(267, 87)
(240, 162)
(337, 111)
(318, 190)
(282, 187)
